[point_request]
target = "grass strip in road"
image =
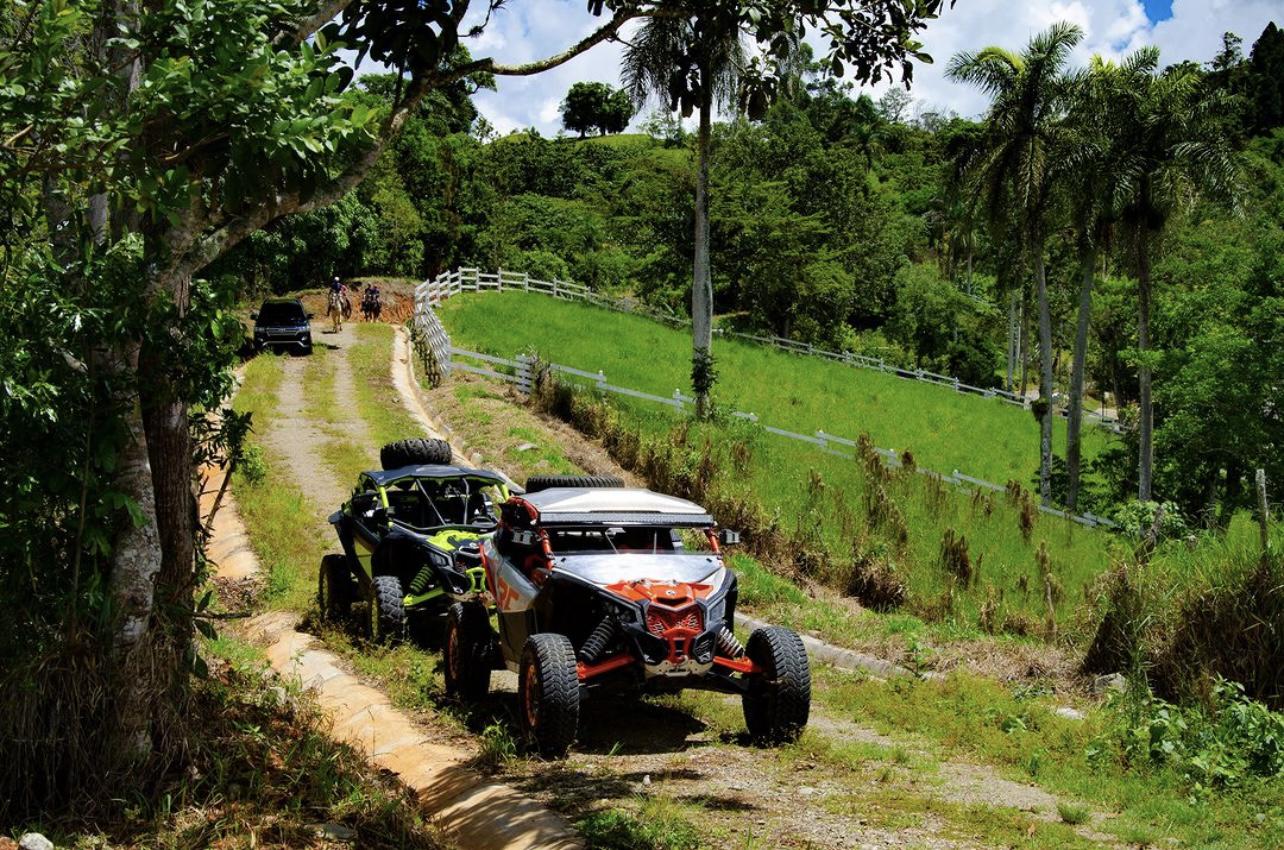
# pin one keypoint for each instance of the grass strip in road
(281, 521)
(378, 402)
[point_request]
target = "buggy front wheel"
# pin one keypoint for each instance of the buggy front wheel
(548, 694)
(467, 652)
(387, 615)
(778, 701)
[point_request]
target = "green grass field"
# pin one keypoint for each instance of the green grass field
(945, 430)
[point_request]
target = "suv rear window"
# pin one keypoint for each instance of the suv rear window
(281, 313)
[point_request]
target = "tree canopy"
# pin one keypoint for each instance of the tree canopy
(596, 106)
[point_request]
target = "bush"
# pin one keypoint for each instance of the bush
(1138, 518)
(1222, 742)
(1234, 628)
(253, 465)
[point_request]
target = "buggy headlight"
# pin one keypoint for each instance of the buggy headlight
(717, 609)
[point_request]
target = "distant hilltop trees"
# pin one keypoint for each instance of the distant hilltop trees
(596, 106)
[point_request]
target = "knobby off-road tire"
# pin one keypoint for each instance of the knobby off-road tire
(548, 694)
(387, 614)
(778, 701)
(334, 589)
(467, 651)
(414, 453)
(547, 482)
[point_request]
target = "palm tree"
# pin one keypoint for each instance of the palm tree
(1171, 148)
(713, 55)
(1014, 169)
(1093, 180)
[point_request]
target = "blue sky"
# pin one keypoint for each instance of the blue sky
(1159, 10)
(523, 30)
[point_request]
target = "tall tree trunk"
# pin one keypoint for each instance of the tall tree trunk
(165, 418)
(1074, 427)
(131, 585)
(702, 286)
(1146, 426)
(1013, 341)
(136, 551)
(1023, 344)
(1045, 377)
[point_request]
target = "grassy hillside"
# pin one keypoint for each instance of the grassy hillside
(969, 562)
(944, 430)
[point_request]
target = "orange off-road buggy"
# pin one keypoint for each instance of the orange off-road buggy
(599, 586)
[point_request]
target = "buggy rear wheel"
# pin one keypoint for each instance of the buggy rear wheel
(334, 589)
(778, 701)
(467, 651)
(548, 694)
(547, 482)
(387, 616)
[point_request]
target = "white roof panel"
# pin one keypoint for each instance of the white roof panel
(613, 500)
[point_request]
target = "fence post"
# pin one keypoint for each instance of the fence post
(1264, 514)
(555, 295)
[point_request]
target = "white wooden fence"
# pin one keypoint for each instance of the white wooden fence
(520, 372)
(467, 279)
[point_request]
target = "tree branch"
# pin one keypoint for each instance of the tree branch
(599, 35)
(325, 13)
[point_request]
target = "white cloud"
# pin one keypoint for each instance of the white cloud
(530, 29)
(1196, 28)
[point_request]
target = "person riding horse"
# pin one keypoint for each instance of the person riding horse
(338, 306)
(371, 306)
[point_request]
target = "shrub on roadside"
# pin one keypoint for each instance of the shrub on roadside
(657, 826)
(1222, 741)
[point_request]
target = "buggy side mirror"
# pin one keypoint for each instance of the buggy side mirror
(380, 515)
(727, 537)
(254, 316)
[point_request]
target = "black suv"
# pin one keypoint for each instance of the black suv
(283, 323)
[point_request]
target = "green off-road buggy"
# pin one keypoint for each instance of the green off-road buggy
(410, 536)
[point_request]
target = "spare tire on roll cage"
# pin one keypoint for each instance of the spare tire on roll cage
(547, 482)
(415, 452)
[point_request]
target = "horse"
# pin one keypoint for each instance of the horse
(371, 306)
(338, 308)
